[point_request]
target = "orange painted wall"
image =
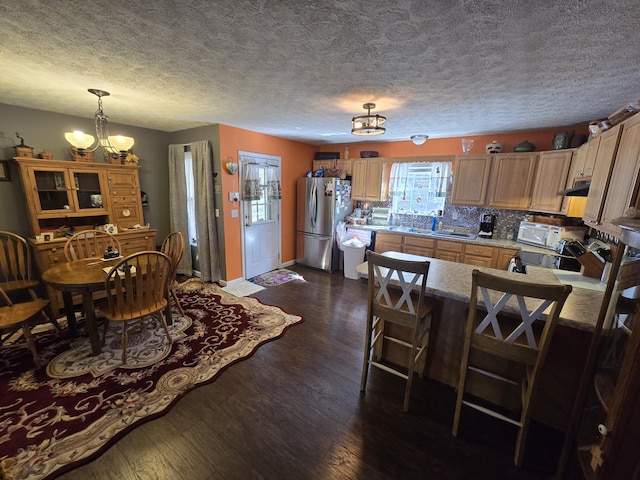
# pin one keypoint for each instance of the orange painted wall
(296, 160)
(542, 139)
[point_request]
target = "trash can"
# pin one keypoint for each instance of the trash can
(353, 256)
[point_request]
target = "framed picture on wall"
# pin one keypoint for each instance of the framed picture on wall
(4, 171)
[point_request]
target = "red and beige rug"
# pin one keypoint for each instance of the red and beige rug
(57, 417)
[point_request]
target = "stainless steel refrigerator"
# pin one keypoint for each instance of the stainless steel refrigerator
(322, 203)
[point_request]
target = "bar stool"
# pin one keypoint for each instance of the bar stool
(396, 296)
(510, 338)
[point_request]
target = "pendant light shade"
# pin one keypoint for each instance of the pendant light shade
(419, 139)
(368, 124)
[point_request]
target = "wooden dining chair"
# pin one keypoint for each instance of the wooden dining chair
(16, 316)
(136, 289)
(514, 338)
(396, 296)
(173, 247)
(90, 244)
(16, 271)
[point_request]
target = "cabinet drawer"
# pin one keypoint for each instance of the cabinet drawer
(415, 250)
(127, 215)
(124, 199)
(55, 255)
(137, 243)
(419, 242)
(450, 246)
(478, 250)
(125, 192)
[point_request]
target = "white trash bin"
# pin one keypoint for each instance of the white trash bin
(353, 256)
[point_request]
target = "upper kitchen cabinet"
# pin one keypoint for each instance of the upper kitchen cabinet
(63, 193)
(584, 160)
(470, 180)
(551, 177)
(346, 165)
(511, 180)
(607, 146)
(367, 179)
(623, 185)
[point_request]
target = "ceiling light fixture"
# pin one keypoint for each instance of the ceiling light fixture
(368, 124)
(419, 139)
(115, 145)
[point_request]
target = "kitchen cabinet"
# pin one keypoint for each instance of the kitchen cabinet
(584, 160)
(478, 255)
(470, 180)
(367, 179)
(448, 250)
(623, 184)
(551, 177)
(511, 180)
(607, 145)
(418, 245)
(388, 242)
(346, 165)
(503, 257)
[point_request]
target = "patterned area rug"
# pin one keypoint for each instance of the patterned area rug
(276, 277)
(53, 419)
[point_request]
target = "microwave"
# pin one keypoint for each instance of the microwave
(548, 236)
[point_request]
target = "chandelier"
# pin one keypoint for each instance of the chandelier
(368, 124)
(114, 145)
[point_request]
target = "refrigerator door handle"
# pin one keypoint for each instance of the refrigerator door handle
(313, 204)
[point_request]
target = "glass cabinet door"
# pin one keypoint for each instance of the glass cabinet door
(51, 190)
(87, 186)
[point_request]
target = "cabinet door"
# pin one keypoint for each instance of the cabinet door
(623, 186)
(90, 195)
(607, 147)
(325, 164)
(503, 257)
(123, 179)
(359, 180)
(470, 179)
(418, 245)
(479, 255)
(388, 242)
(590, 158)
(346, 165)
(373, 186)
(449, 256)
(511, 180)
(49, 189)
(551, 177)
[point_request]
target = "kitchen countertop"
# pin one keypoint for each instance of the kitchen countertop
(453, 280)
(494, 242)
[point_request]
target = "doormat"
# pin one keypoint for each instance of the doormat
(276, 277)
(243, 288)
(53, 419)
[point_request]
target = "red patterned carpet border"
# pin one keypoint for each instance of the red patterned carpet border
(56, 418)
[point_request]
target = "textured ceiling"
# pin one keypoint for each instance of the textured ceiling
(301, 70)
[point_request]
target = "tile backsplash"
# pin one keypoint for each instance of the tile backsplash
(459, 218)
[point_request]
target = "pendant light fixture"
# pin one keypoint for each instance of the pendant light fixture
(114, 145)
(368, 124)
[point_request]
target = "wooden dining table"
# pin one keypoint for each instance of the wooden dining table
(84, 277)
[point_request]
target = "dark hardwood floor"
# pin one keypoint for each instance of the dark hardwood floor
(294, 411)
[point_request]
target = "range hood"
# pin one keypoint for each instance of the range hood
(580, 189)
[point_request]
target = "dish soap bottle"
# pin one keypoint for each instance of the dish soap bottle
(434, 220)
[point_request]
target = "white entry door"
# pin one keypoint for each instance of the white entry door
(261, 244)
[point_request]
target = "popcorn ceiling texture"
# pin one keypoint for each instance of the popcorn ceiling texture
(301, 70)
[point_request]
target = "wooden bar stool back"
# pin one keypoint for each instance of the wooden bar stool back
(511, 337)
(397, 296)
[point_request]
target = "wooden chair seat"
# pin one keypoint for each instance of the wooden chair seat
(16, 316)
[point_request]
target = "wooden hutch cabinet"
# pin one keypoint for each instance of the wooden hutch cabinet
(65, 196)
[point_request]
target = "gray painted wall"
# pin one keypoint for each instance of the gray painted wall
(45, 131)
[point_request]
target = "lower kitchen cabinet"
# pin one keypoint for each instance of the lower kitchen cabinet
(447, 250)
(479, 255)
(388, 242)
(419, 245)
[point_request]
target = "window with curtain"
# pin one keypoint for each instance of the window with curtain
(419, 188)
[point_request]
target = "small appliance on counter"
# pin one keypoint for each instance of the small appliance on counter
(548, 236)
(487, 225)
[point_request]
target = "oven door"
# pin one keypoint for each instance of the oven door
(533, 234)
